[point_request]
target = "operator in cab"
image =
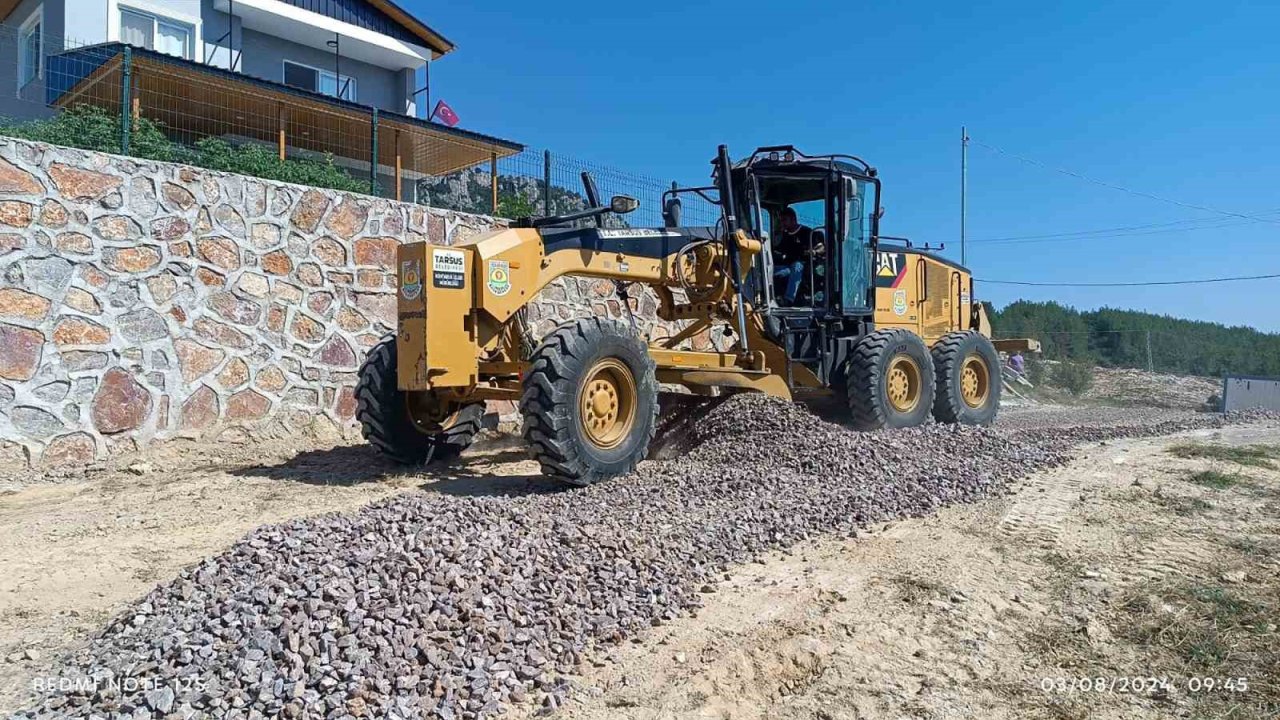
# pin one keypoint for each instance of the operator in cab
(793, 250)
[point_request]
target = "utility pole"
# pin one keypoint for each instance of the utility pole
(1150, 367)
(964, 182)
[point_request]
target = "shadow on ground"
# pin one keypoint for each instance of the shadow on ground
(485, 470)
(497, 465)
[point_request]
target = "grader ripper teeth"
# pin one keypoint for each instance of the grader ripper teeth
(827, 310)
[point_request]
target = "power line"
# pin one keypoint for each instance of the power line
(1134, 284)
(1177, 226)
(1113, 186)
(1117, 236)
(1097, 332)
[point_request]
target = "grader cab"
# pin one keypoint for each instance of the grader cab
(893, 332)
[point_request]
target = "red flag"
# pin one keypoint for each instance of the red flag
(445, 113)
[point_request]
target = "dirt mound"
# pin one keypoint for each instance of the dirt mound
(1130, 387)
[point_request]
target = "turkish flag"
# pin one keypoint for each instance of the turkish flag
(445, 113)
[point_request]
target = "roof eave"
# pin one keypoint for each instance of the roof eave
(437, 43)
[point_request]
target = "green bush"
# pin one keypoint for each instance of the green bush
(515, 205)
(92, 128)
(1036, 370)
(260, 161)
(89, 127)
(1074, 377)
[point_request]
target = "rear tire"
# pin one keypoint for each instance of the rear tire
(890, 380)
(387, 423)
(968, 379)
(590, 401)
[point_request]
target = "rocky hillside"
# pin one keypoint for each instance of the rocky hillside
(469, 191)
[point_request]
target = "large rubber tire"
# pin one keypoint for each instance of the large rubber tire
(968, 379)
(868, 379)
(552, 403)
(381, 408)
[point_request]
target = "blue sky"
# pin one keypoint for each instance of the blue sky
(1176, 99)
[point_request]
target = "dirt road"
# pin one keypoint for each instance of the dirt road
(963, 614)
(974, 612)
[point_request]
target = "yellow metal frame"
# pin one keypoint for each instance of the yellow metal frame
(463, 340)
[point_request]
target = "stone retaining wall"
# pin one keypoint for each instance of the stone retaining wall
(144, 301)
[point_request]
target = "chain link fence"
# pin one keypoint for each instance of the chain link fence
(128, 100)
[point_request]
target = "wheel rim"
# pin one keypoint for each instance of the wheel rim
(902, 384)
(429, 414)
(607, 403)
(975, 382)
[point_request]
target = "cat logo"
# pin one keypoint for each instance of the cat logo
(891, 268)
(499, 282)
(411, 279)
(889, 263)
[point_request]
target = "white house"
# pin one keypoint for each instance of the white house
(345, 79)
(367, 51)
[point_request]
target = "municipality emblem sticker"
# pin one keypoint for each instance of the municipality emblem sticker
(499, 277)
(899, 302)
(411, 279)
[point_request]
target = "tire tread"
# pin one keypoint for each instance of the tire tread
(384, 424)
(549, 388)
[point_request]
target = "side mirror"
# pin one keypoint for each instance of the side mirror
(880, 212)
(623, 204)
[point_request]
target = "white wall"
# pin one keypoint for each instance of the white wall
(86, 21)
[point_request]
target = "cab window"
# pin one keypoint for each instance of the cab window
(855, 245)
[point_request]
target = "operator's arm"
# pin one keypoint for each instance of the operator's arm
(812, 243)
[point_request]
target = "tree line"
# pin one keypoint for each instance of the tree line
(1118, 338)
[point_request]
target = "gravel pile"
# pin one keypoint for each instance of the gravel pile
(427, 605)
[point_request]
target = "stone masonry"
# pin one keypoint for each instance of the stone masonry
(144, 301)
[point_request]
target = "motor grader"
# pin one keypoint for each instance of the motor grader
(893, 332)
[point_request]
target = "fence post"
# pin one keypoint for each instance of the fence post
(399, 167)
(280, 141)
(373, 154)
(493, 182)
(546, 183)
(126, 99)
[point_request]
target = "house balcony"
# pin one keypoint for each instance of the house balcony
(297, 23)
(190, 101)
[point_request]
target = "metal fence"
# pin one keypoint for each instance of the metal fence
(121, 99)
(549, 183)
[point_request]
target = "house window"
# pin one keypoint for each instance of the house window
(320, 81)
(156, 33)
(30, 48)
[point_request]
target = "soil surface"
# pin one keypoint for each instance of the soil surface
(78, 549)
(974, 612)
(962, 614)
(1128, 387)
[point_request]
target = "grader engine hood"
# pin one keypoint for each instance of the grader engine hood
(922, 292)
(435, 346)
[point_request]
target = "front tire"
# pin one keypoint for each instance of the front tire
(968, 379)
(890, 380)
(590, 401)
(396, 422)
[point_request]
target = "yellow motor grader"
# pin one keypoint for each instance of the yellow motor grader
(893, 332)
